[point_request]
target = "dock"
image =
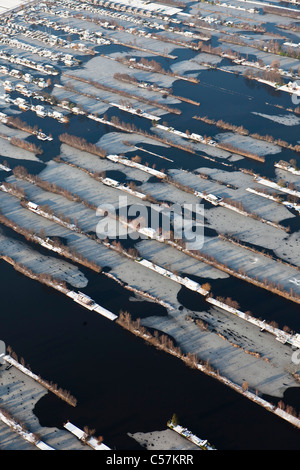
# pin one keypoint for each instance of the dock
(81, 435)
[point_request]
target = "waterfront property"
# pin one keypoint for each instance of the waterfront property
(99, 144)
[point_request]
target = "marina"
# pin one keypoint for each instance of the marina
(100, 147)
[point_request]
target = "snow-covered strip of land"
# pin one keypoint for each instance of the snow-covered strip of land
(37, 210)
(140, 113)
(191, 437)
(127, 162)
(172, 130)
(103, 121)
(290, 205)
(246, 214)
(19, 366)
(282, 336)
(28, 436)
(193, 136)
(192, 285)
(122, 187)
(267, 82)
(92, 442)
(290, 89)
(79, 297)
(272, 184)
(89, 303)
(255, 398)
(284, 119)
(267, 196)
(11, 151)
(289, 168)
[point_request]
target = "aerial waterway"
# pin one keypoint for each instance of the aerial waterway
(125, 386)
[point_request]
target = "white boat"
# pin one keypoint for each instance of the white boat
(8, 86)
(41, 136)
(40, 111)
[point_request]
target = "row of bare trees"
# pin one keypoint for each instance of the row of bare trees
(243, 131)
(14, 189)
(53, 387)
(82, 144)
(22, 426)
(125, 77)
(161, 341)
(132, 128)
(19, 124)
(272, 46)
(127, 94)
(245, 153)
(43, 278)
(218, 50)
(20, 172)
(282, 12)
(25, 145)
(290, 27)
(31, 235)
(153, 66)
(236, 241)
(272, 76)
(242, 274)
